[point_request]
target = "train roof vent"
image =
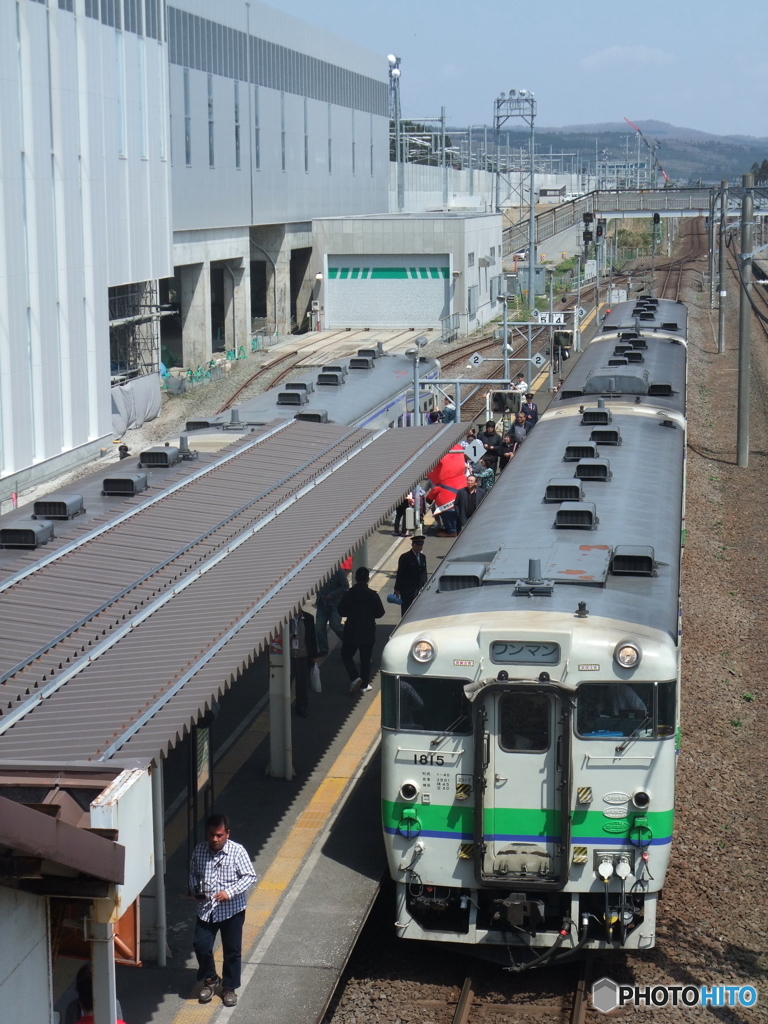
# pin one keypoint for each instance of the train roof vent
(371, 353)
(292, 398)
(595, 417)
(572, 393)
(633, 561)
(124, 486)
(461, 576)
(26, 534)
(59, 506)
(606, 435)
(638, 310)
(621, 349)
(662, 389)
(634, 356)
(197, 425)
(618, 361)
(650, 315)
(670, 325)
(639, 343)
(593, 469)
(576, 515)
(361, 363)
(312, 416)
(628, 335)
(330, 377)
(334, 368)
(160, 455)
(576, 450)
(563, 489)
(621, 380)
(300, 385)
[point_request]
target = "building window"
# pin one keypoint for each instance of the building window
(330, 142)
(143, 135)
(282, 130)
(121, 125)
(353, 139)
(211, 148)
(472, 297)
(306, 137)
(187, 122)
(493, 252)
(237, 124)
(256, 130)
(471, 260)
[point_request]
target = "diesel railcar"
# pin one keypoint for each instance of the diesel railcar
(371, 390)
(530, 697)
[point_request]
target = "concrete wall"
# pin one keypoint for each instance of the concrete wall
(25, 967)
(84, 205)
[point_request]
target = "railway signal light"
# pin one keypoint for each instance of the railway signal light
(587, 217)
(587, 236)
(656, 218)
(600, 228)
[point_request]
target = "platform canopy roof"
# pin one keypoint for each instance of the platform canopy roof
(329, 488)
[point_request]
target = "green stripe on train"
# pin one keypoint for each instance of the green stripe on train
(460, 818)
(387, 273)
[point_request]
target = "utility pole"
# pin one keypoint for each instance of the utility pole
(394, 113)
(723, 296)
(551, 333)
(576, 317)
(745, 322)
(445, 162)
(505, 333)
(711, 235)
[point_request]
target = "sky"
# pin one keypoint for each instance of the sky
(694, 63)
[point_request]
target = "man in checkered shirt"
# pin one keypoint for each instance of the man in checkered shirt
(220, 874)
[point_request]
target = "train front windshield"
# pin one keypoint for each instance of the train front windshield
(644, 710)
(419, 704)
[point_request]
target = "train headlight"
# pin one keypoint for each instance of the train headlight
(423, 650)
(409, 791)
(627, 654)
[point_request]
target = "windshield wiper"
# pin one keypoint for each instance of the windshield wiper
(623, 746)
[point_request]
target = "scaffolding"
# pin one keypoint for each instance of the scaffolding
(134, 330)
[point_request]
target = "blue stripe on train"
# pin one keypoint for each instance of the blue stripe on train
(575, 841)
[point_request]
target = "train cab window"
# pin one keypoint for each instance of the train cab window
(416, 704)
(643, 710)
(524, 721)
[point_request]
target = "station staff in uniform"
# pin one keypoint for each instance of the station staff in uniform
(220, 874)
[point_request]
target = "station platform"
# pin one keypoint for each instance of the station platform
(315, 842)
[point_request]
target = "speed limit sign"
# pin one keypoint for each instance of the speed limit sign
(476, 359)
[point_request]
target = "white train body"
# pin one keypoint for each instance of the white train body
(531, 694)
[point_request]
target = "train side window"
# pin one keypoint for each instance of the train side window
(524, 721)
(666, 694)
(432, 705)
(616, 709)
(388, 701)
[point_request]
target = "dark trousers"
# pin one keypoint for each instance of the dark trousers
(300, 669)
(400, 517)
(231, 940)
(407, 597)
(349, 649)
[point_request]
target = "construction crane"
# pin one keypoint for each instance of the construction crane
(651, 150)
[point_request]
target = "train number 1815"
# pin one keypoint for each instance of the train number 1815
(433, 759)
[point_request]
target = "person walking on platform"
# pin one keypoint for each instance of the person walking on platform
(411, 574)
(361, 606)
(303, 655)
(220, 874)
(327, 609)
(531, 411)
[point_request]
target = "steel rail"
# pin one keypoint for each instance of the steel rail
(464, 1005)
(97, 531)
(25, 707)
(50, 644)
(245, 619)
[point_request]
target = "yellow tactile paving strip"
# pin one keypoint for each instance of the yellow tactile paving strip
(278, 877)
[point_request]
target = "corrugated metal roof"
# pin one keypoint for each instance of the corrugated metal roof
(319, 491)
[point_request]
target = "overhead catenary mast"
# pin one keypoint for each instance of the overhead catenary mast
(651, 150)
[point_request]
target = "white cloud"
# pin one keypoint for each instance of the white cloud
(628, 57)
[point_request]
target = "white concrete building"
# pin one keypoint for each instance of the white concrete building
(154, 162)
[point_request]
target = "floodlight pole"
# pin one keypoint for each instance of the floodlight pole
(745, 322)
(722, 290)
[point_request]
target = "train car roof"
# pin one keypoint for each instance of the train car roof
(637, 523)
(362, 392)
(658, 376)
(647, 314)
